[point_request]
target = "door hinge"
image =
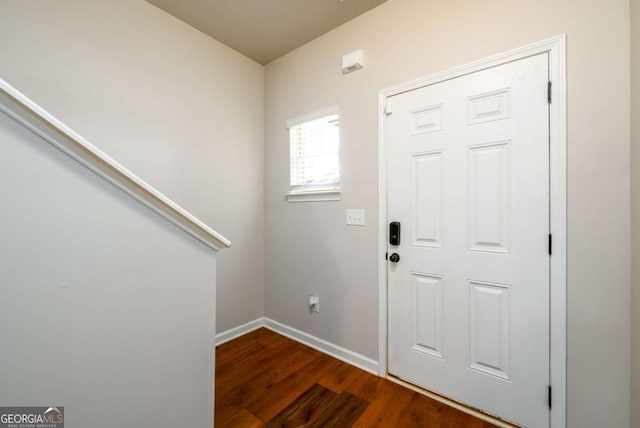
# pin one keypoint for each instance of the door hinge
(550, 243)
(549, 92)
(549, 396)
(387, 108)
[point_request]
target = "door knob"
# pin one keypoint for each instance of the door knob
(394, 258)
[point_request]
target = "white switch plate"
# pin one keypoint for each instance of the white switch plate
(355, 217)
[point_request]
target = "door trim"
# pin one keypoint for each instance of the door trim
(556, 48)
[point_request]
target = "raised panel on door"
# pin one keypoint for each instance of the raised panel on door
(426, 203)
(490, 328)
(426, 314)
(489, 197)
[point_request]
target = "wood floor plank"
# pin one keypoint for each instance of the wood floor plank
(423, 411)
(255, 367)
(386, 408)
(342, 412)
(234, 416)
(366, 385)
(274, 398)
(230, 360)
(310, 406)
(338, 378)
(273, 340)
(256, 383)
(238, 344)
(265, 379)
(417, 413)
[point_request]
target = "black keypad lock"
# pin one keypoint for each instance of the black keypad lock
(394, 233)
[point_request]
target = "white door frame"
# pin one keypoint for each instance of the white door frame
(556, 48)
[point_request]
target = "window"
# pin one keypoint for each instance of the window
(315, 161)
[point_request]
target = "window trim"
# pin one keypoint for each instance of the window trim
(328, 111)
(333, 193)
(315, 195)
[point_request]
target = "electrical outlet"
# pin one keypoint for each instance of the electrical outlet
(355, 217)
(314, 303)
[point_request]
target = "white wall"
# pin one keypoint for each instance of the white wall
(309, 248)
(106, 306)
(635, 211)
(182, 111)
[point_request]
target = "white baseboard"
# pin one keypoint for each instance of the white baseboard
(365, 363)
(241, 330)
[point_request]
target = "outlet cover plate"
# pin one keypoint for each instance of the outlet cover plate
(355, 217)
(314, 303)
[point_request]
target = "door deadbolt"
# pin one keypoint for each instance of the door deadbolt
(394, 233)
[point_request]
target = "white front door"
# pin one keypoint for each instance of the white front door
(468, 180)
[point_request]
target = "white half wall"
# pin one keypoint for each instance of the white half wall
(107, 308)
(179, 109)
(309, 249)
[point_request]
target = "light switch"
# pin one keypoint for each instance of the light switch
(355, 217)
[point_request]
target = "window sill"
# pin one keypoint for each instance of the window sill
(314, 196)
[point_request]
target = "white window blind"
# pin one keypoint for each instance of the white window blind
(315, 161)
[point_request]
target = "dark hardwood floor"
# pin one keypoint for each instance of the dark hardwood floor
(266, 380)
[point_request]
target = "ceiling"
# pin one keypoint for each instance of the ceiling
(264, 30)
